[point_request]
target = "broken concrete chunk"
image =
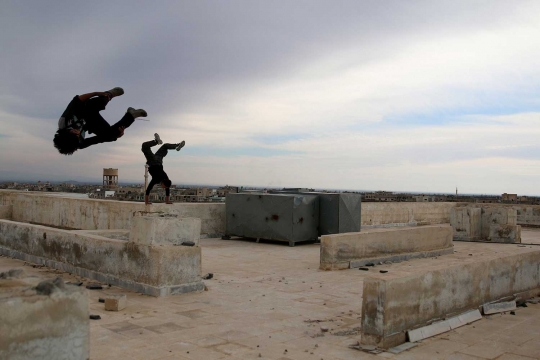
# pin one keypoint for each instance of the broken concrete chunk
(94, 286)
(48, 286)
(208, 276)
(324, 328)
(12, 274)
(498, 307)
(115, 302)
(95, 317)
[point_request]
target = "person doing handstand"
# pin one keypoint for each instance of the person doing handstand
(155, 165)
(82, 115)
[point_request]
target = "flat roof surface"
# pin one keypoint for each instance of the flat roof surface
(271, 299)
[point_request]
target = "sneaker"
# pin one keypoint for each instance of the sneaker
(137, 112)
(181, 145)
(117, 91)
(157, 138)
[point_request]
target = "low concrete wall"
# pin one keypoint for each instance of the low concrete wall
(485, 223)
(43, 320)
(93, 214)
(6, 211)
(154, 270)
(379, 214)
(343, 251)
(403, 300)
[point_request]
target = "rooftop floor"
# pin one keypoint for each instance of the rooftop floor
(268, 301)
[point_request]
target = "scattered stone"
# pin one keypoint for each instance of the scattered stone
(370, 264)
(383, 271)
(48, 286)
(188, 243)
(324, 328)
(363, 268)
(350, 332)
(388, 262)
(208, 276)
(512, 313)
(12, 274)
(94, 286)
(470, 254)
(260, 355)
(115, 302)
(101, 300)
(521, 303)
(95, 317)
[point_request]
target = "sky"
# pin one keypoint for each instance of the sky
(419, 96)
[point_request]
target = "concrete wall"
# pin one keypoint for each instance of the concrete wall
(341, 251)
(401, 300)
(93, 214)
(6, 211)
(43, 320)
(378, 214)
(154, 270)
(485, 223)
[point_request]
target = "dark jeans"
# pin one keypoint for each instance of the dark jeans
(96, 124)
(157, 158)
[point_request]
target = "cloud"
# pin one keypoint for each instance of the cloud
(418, 95)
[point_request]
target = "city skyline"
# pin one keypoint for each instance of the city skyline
(341, 95)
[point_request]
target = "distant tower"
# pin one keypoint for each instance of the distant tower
(110, 178)
(456, 191)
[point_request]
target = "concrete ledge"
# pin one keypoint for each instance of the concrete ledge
(43, 319)
(343, 251)
(6, 211)
(152, 270)
(509, 234)
(164, 229)
(398, 301)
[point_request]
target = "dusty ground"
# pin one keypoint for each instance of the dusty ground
(268, 301)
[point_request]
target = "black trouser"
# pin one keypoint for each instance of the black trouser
(97, 125)
(157, 158)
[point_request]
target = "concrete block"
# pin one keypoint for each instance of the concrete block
(43, 319)
(505, 233)
(443, 326)
(342, 251)
(495, 308)
(399, 301)
(466, 223)
(153, 270)
(496, 215)
(6, 211)
(164, 229)
(115, 302)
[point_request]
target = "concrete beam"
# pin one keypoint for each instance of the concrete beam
(164, 229)
(153, 270)
(43, 319)
(343, 251)
(505, 233)
(398, 301)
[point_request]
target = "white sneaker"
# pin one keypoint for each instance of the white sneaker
(181, 145)
(137, 112)
(117, 91)
(158, 139)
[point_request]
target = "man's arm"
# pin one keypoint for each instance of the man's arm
(150, 187)
(167, 196)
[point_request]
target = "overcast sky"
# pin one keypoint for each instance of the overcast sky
(375, 95)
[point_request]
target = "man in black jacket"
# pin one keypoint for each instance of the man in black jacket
(82, 116)
(155, 165)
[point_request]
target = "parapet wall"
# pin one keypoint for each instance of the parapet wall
(93, 214)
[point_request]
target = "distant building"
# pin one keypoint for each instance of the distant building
(110, 178)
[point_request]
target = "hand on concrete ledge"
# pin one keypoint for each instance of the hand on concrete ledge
(167, 201)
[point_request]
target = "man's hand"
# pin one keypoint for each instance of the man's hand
(168, 202)
(76, 132)
(106, 94)
(147, 203)
(121, 131)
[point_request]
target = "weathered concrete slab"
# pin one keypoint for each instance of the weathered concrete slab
(505, 233)
(381, 214)
(492, 215)
(43, 319)
(495, 308)
(443, 326)
(466, 222)
(153, 270)
(341, 251)
(164, 229)
(6, 211)
(401, 348)
(399, 301)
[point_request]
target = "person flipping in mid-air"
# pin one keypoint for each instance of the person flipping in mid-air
(155, 165)
(82, 115)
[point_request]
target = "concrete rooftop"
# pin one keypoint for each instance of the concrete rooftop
(268, 301)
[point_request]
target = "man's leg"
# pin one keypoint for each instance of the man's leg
(91, 141)
(148, 154)
(163, 150)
